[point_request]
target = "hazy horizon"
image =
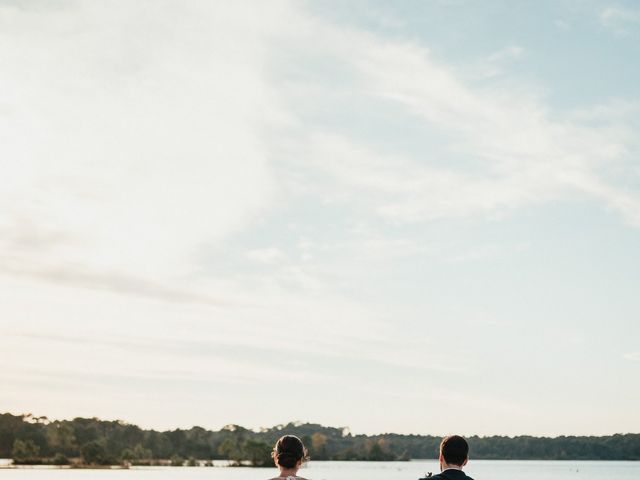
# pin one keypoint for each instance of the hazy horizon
(407, 217)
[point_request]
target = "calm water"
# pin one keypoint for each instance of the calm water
(479, 469)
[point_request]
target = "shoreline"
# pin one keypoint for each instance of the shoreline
(417, 460)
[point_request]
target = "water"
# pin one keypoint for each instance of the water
(479, 469)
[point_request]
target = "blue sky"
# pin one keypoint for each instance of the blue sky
(412, 217)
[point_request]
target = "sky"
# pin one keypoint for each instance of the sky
(412, 217)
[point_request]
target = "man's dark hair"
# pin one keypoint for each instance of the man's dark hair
(454, 449)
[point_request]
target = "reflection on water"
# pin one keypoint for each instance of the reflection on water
(479, 469)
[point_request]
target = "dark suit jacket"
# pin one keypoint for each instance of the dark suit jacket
(451, 475)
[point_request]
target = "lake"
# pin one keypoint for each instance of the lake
(479, 469)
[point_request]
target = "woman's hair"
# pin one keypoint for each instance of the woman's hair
(288, 451)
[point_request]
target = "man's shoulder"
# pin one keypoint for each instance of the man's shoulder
(451, 475)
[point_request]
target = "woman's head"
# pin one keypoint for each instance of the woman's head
(289, 452)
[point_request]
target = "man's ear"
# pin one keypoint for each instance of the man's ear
(465, 462)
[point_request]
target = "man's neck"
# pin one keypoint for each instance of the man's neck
(446, 466)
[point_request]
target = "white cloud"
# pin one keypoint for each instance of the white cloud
(507, 53)
(494, 64)
(488, 252)
(620, 19)
(521, 154)
(149, 140)
(130, 140)
(633, 356)
(266, 255)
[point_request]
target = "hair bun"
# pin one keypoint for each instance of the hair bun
(287, 454)
(289, 450)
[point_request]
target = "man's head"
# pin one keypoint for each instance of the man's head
(454, 452)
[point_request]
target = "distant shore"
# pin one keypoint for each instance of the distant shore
(93, 443)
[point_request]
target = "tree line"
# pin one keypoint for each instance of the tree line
(29, 439)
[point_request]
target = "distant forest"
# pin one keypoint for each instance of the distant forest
(28, 439)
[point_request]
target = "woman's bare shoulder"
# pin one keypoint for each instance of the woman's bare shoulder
(282, 478)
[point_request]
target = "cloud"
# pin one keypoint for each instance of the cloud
(620, 20)
(132, 140)
(107, 280)
(503, 149)
(152, 141)
(617, 111)
(512, 51)
(488, 252)
(494, 64)
(497, 59)
(265, 255)
(633, 356)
